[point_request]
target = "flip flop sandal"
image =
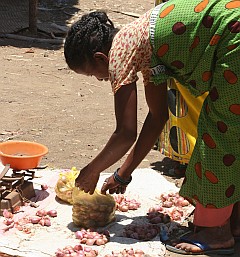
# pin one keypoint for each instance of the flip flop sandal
(205, 249)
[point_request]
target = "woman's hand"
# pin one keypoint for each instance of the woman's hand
(87, 180)
(113, 186)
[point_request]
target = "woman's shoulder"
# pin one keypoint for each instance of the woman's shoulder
(130, 52)
(134, 31)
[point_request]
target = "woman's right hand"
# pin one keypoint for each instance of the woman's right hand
(87, 180)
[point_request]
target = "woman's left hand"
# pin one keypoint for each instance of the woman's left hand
(112, 186)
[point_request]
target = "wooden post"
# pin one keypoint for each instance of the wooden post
(33, 16)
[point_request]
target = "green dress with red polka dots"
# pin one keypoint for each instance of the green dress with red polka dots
(197, 42)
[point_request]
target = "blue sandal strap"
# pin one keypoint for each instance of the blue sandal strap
(201, 245)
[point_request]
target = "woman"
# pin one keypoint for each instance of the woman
(196, 42)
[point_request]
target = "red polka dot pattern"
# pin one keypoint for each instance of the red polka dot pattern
(211, 177)
(206, 76)
(234, 26)
(207, 109)
(177, 64)
(222, 127)
(209, 141)
(193, 83)
(228, 159)
(201, 6)
(165, 12)
(214, 94)
(195, 43)
(198, 169)
(179, 28)
(235, 109)
(230, 77)
(233, 4)
(231, 47)
(214, 40)
(207, 21)
(163, 50)
(230, 191)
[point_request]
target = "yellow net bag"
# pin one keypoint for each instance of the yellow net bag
(65, 185)
(91, 211)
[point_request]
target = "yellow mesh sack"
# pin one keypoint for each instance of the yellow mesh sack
(65, 184)
(91, 211)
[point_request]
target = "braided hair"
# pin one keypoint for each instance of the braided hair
(92, 33)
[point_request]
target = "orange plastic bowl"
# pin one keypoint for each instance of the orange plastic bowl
(22, 155)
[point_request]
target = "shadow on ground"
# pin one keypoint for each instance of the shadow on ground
(164, 165)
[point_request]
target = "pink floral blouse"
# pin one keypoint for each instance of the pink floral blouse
(130, 53)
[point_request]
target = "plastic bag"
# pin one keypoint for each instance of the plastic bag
(65, 184)
(91, 211)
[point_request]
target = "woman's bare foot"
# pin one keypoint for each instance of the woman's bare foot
(215, 238)
(235, 220)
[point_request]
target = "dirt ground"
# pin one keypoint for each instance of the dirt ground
(42, 100)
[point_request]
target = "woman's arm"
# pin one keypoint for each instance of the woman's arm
(125, 101)
(156, 97)
(119, 143)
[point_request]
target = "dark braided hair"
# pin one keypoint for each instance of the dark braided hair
(92, 33)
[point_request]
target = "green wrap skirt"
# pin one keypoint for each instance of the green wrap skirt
(198, 43)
